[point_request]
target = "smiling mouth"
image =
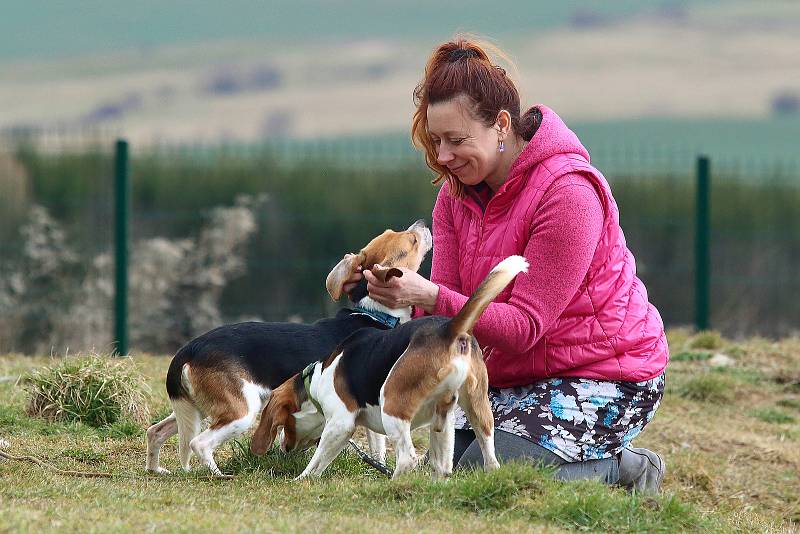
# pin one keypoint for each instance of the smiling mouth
(456, 169)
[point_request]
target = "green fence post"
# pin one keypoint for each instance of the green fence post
(121, 204)
(702, 255)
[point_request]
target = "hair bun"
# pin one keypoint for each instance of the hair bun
(462, 53)
(529, 123)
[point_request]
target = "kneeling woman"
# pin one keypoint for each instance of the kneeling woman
(575, 352)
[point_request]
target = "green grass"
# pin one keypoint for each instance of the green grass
(771, 415)
(790, 403)
(688, 356)
(729, 470)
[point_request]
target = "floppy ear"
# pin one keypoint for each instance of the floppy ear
(342, 271)
(385, 273)
(272, 418)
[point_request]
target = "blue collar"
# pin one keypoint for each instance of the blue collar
(385, 319)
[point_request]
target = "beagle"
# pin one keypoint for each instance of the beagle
(393, 381)
(228, 374)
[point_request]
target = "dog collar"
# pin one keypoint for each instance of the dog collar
(383, 318)
(306, 376)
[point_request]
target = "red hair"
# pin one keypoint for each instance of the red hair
(463, 68)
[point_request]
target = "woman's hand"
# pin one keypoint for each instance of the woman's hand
(411, 289)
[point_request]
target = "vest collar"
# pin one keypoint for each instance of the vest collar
(306, 377)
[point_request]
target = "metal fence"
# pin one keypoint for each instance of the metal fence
(201, 254)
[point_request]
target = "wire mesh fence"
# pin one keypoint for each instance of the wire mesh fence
(233, 231)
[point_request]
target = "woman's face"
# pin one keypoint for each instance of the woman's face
(464, 145)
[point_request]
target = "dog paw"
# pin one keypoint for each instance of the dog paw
(160, 471)
(4, 444)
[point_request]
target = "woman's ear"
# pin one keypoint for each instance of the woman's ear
(503, 123)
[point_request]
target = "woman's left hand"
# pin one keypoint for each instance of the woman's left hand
(411, 289)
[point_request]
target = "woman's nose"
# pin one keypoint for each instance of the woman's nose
(443, 156)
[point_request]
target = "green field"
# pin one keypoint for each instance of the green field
(729, 435)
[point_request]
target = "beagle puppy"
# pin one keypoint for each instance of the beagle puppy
(391, 382)
(228, 374)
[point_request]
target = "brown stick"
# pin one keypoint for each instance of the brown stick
(85, 474)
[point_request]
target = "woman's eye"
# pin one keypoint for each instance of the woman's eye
(457, 141)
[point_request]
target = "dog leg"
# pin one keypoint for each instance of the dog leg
(475, 403)
(156, 436)
(224, 428)
(440, 453)
(399, 433)
(334, 439)
(189, 421)
(205, 443)
(377, 446)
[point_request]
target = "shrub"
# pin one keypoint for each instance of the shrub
(91, 389)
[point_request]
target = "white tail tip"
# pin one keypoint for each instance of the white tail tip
(513, 264)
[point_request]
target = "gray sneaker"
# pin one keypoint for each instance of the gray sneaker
(641, 470)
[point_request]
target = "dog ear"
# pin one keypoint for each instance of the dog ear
(341, 272)
(261, 437)
(384, 274)
(273, 418)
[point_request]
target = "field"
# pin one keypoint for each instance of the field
(729, 429)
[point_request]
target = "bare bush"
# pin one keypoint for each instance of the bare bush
(174, 286)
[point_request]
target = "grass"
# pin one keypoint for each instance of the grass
(733, 465)
(771, 415)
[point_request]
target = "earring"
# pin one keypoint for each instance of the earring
(501, 147)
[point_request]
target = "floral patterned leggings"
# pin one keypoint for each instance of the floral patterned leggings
(575, 419)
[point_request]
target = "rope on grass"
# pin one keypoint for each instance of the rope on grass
(84, 474)
(371, 461)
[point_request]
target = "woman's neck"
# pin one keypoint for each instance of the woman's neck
(514, 147)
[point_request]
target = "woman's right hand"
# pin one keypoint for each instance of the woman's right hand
(353, 281)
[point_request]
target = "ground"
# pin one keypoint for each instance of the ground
(729, 429)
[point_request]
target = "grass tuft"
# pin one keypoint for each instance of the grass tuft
(474, 491)
(707, 339)
(710, 387)
(92, 389)
(771, 415)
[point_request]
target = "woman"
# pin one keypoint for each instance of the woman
(575, 353)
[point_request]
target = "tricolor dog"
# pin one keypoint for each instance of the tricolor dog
(228, 374)
(392, 381)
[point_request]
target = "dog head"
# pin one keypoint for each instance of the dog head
(290, 415)
(389, 250)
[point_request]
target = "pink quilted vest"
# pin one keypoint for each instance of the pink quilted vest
(608, 331)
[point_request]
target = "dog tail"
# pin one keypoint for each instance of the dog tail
(492, 285)
(176, 388)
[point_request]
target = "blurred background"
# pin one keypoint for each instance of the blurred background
(267, 139)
